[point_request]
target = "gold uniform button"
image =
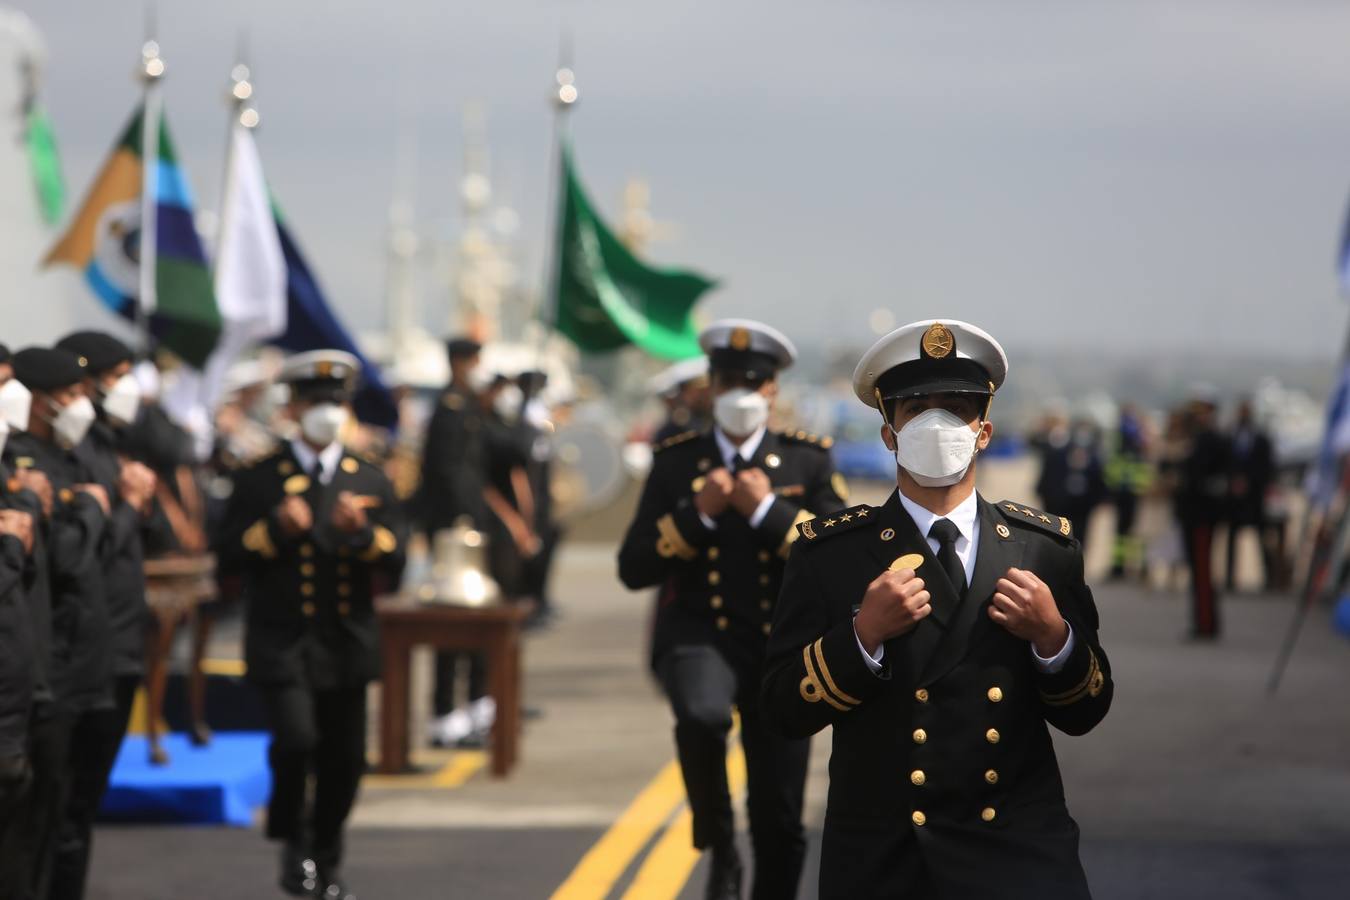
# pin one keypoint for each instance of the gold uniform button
(921, 695)
(765, 605)
(307, 590)
(920, 736)
(767, 628)
(306, 549)
(764, 579)
(344, 608)
(917, 778)
(307, 608)
(716, 601)
(721, 623)
(714, 578)
(344, 590)
(343, 569)
(917, 817)
(307, 570)
(995, 694)
(992, 736)
(764, 556)
(988, 813)
(713, 552)
(991, 776)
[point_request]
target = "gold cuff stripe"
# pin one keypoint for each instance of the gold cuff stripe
(829, 681)
(803, 515)
(671, 542)
(383, 542)
(257, 540)
(811, 689)
(1091, 685)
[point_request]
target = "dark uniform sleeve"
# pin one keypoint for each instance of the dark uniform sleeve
(814, 670)
(448, 460)
(666, 533)
(76, 529)
(823, 493)
(1077, 697)
(248, 532)
(382, 543)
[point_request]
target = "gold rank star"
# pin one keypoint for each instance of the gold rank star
(829, 522)
(846, 518)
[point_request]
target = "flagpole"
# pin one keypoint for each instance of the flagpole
(564, 97)
(241, 91)
(152, 70)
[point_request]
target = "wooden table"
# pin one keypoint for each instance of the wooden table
(174, 586)
(492, 630)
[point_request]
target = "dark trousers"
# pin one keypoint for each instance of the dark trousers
(447, 676)
(1251, 517)
(702, 688)
(95, 739)
(1198, 537)
(322, 733)
(29, 843)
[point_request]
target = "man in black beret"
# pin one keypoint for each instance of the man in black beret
(130, 486)
(71, 629)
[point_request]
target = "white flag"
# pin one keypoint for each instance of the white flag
(250, 283)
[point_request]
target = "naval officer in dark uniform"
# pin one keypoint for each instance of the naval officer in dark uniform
(714, 525)
(315, 533)
(940, 634)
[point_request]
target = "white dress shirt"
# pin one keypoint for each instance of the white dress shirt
(328, 458)
(746, 451)
(966, 518)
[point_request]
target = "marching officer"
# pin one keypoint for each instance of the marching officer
(315, 533)
(130, 487)
(714, 525)
(939, 634)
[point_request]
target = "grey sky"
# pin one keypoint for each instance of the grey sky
(1142, 177)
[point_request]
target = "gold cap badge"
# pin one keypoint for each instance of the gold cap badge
(740, 339)
(938, 341)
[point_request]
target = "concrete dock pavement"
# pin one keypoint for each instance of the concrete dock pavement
(1197, 785)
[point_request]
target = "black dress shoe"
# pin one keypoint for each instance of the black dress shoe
(299, 874)
(724, 882)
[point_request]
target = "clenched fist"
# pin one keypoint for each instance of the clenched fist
(294, 516)
(752, 486)
(895, 602)
(1024, 606)
(136, 485)
(98, 492)
(713, 498)
(19, 524)
(349, 515)
(39, 484)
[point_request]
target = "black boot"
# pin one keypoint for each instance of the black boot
(333, 886)
(299, 874)
(724, 881)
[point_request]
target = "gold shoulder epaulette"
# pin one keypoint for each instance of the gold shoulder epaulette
(675, 439)
(836, 522)
(823, 441)
(1017, 514)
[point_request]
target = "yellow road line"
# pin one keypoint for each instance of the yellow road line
(232, 668)
(461, 768)
(602, 865)
(668, 865)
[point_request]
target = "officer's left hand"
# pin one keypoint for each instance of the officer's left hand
(348, 514)
(20, 525)
(1024, 606)
(752, 486)
(98, 492)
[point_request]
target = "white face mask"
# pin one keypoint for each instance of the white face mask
(321, 424)
(507, 401)
(15, 402)
(122, 400)
(741, 411)
(935, 447)
(72, 422)
(4, 434)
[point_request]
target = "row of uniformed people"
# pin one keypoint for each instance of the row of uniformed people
(77, 508)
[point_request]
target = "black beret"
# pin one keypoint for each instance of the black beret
(99, 350)
(45, 369)
(460, 347)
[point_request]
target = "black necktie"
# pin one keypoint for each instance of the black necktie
(945, 532)
(739, 464)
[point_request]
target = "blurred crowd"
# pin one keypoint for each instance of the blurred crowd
(1213, 471)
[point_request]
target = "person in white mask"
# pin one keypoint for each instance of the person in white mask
(940, 634)
(713, 530)
(314, 532)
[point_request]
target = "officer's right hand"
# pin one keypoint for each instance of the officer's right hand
(895, 602)
(20, 525)
(294, 516)
(37, 482)
(713, 497)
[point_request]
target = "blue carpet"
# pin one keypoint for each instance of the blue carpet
(220, 784)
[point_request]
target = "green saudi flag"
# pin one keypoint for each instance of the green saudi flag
(606, 297)
(46, 164)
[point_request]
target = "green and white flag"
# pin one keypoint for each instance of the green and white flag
(606, 297)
